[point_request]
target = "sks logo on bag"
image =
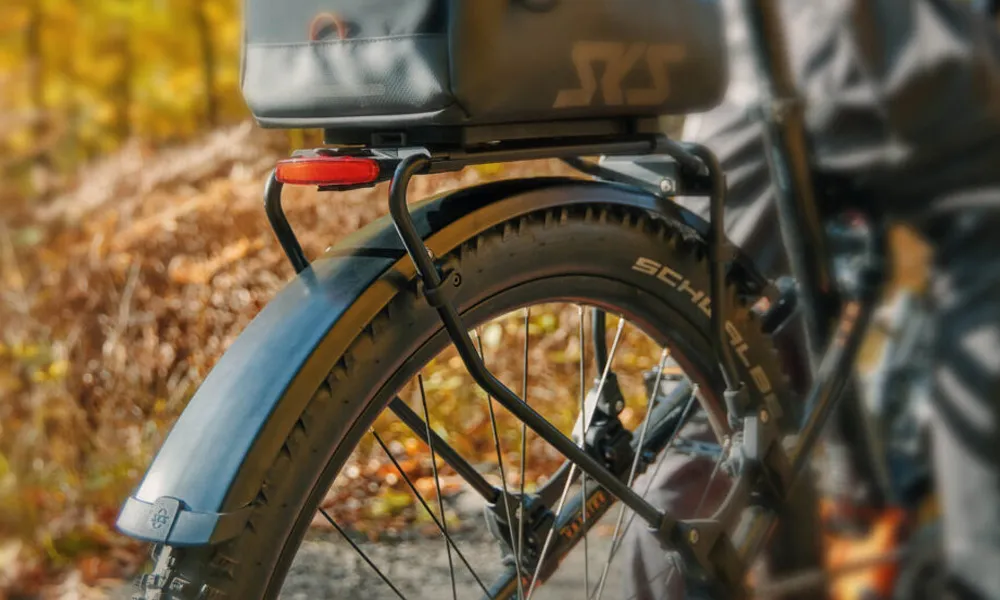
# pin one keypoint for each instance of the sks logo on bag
(617, 60)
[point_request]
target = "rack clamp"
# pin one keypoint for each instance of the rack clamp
(443, 293)
(705, 543)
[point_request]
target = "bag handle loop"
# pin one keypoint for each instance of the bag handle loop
(322, 24)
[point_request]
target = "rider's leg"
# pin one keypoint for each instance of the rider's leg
(676, 483)
(966, 427)
(683, 485)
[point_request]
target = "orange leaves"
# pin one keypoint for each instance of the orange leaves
(886, 535)
(184, 271)
(449, 487)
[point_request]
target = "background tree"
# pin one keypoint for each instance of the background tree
(80, 78)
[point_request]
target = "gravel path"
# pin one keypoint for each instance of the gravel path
(327, 567)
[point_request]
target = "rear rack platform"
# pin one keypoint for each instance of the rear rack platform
(465, 137)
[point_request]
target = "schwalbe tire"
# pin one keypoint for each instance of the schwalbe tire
(601, 242)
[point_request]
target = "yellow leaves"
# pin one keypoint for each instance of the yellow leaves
(547, 323)
(104, 64)
(25, 352)
(19, 140)
(58, 369)
(492, 336)
(35, 360)
(219, 12)
(10, 384)
(641, 360)
(14, 19)
(389, 503)
(428, 488)
(228, 33)
(50, 548)
(186, 271)
(489, 169)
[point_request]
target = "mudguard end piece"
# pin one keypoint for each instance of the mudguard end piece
(169, 521)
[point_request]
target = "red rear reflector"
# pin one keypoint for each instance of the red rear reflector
(327, 170)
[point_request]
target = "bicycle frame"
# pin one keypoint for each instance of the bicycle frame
(782, 113)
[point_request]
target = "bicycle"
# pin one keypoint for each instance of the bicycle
(331, 352)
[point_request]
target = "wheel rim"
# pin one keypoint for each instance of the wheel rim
(677, 334)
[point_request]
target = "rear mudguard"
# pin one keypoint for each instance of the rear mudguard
(201, 483)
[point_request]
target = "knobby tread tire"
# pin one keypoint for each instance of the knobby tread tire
(226, 571)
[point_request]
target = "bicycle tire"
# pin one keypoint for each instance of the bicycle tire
(586, 253)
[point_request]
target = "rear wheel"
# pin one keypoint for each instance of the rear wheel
(528, 288)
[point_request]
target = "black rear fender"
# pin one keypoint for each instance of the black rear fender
(200, 485)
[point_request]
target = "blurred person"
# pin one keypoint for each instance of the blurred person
(903, 98)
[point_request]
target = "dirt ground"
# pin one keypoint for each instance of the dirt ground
(327, 567)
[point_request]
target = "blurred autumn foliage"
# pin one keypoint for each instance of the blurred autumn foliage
(102, 336)
(78, 78)
(133, 250)
(121, 291)
(90, 92)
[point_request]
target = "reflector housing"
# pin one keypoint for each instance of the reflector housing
(327, 170)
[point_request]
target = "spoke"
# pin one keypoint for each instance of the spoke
(524, 439)
(503, 475)
(583, 443)
(572, 469)
(362, 554)
(548, 537)
(673, 436)
(650, 403)
(444, 532)
(606, 369)
(437, 483)
(448, 454)
(711, 480)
